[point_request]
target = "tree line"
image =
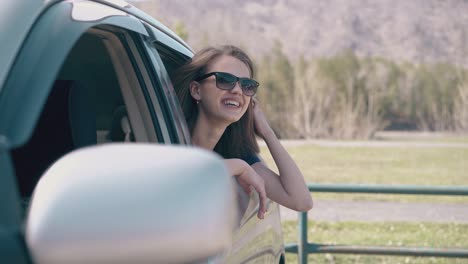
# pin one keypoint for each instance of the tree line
(349, 97)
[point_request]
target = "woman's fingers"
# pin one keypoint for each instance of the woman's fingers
(245, 186)
(254, 102)
(260, 122)
(251, 179)
(262, 206)
(259, 186)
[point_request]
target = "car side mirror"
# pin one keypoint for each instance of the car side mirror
(132, 203)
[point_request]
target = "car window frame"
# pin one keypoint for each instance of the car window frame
(12, 246)
(167, 95)
(146, 120)
(46, 55)
(173, 100)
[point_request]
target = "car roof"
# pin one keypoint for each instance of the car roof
(17, 18)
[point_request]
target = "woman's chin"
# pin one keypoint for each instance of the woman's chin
(231, 118)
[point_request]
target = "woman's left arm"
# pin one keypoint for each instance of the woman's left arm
(288, 188)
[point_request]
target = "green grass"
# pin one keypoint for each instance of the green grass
(380, 165)
(382, 234)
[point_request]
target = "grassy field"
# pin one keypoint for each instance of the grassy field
(399, 164)
(381, 165)
(382, 234)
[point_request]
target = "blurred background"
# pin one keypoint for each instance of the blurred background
(341, 69)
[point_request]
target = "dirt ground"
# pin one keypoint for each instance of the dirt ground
(378, 211)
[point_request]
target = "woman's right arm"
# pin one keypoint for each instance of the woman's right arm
(247, 177)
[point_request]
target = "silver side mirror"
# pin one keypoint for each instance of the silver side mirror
(132, 203)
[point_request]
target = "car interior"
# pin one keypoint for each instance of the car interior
(87, 105)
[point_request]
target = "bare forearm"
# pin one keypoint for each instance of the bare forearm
(235, 166)
(291, 177)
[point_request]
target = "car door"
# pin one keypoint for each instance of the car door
(78, 79)
(256, 240)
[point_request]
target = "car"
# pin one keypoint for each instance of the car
(95, 155)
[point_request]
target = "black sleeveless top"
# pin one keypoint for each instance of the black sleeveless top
(251, 159)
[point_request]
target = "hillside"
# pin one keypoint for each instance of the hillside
(415, 31)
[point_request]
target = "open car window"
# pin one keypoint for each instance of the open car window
(84, 85)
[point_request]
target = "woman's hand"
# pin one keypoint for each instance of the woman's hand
(248, 178)
(261, 124)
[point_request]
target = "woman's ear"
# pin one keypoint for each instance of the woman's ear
(195, 90)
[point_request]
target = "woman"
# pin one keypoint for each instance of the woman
(215, 89)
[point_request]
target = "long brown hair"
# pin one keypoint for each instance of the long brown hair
(238, 140)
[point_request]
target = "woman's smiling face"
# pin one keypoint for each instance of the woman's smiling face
(222, 105)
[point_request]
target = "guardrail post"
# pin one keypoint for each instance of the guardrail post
(302, 245)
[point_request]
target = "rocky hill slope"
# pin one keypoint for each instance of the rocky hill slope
(416, 30)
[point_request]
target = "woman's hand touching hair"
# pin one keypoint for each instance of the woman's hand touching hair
(262, 128)
(247, 179)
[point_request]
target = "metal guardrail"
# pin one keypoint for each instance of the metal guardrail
(303, 248)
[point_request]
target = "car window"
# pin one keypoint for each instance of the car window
(88, 104)
(100, 95)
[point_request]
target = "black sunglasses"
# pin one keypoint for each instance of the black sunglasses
(227, 81)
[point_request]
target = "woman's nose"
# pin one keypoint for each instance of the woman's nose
(237, 88)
